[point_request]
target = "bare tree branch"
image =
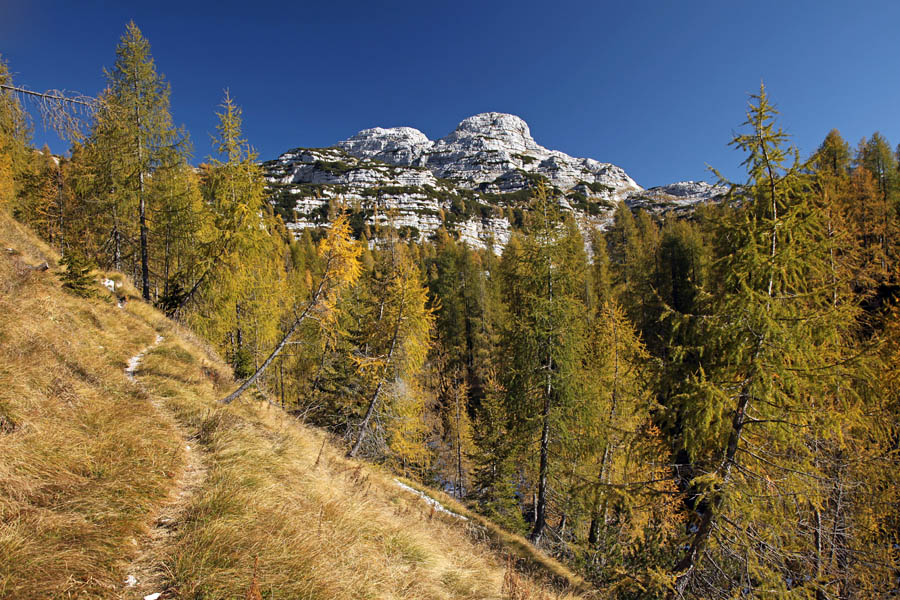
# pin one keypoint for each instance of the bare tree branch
(65, 113)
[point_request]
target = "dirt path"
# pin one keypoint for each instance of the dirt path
(147, 575)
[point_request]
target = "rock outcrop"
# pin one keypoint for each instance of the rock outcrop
(470, 181)
(490, 152)
(680, 197)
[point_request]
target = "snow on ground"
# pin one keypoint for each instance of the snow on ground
(429, 500)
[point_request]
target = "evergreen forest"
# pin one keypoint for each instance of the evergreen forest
(702, 406)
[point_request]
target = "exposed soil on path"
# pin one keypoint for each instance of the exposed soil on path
(147, 575)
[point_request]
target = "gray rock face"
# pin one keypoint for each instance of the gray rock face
(680, 197)
(469, 182)
(396, 146)
(483, 153)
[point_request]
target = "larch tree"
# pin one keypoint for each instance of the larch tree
(15, 137)
(543, 283)
(618, 406)
(394, 348)
(339, 256)
(137, 107)
(876, 158)
(236, 281)
(455, 448)
(770, 381)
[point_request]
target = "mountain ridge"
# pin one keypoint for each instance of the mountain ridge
(471, 181)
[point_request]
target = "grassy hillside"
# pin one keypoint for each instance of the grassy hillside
(105, 479)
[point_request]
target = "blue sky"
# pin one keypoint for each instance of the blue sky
(656, 87)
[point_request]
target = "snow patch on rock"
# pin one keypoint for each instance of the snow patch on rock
(430, 501)
(468, 182)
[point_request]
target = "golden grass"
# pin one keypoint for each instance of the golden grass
(84, 456)
(89, 458)
(520, 551)
(335, 528)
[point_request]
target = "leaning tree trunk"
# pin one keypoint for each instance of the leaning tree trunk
(235, 394)
(364, 426)
(313, 302)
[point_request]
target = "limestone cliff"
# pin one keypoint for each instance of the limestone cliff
(472, 181)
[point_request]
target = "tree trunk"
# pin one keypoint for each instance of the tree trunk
(594, 531)
(145, 259)
(235, 394)
(686, 566)
(142, 201)
(540, 517)
(364, 427)
(459, 472)
(313, 301)
(281, 380)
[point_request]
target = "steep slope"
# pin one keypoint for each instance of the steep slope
(475, 181)
(100, 494)
(85, 454)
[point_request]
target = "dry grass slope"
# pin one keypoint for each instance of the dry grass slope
(84, 456)
(322, 526)
(91, 458)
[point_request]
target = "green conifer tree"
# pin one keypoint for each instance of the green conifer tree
(136, 125)
(771, 378)
(544, 284)
(77, 276)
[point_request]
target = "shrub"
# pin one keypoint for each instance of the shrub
(77, 276)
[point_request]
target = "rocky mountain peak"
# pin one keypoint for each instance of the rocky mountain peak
(492, 152)
(471, 181)
(500, 131)
(394, 145)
